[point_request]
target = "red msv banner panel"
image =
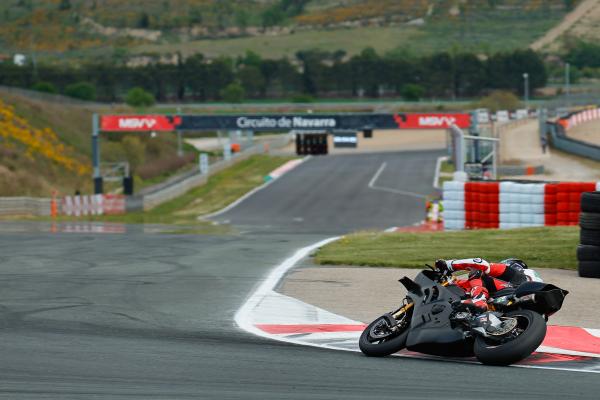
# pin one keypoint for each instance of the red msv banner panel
(139, 123)
(432, 121)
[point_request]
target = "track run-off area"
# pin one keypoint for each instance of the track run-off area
(139, 315)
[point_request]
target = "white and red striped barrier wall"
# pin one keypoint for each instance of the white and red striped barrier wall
(504, 205)
(98, 204)
(580, 117)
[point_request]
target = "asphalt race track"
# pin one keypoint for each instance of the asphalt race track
(333, 195)
(150, 316)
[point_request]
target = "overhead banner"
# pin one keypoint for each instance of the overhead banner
(282, 122)
(139, 123)
(432, 121)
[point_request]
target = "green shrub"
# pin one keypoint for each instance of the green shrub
(82, 91)
(412, 92)
(303, 98)
(233, 93)
(499, 100)
(44, 87)
(138, 97)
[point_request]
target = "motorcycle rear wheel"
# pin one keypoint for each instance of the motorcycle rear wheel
(530, 330)
(374, 347)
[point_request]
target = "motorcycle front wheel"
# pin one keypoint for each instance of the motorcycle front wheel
(517, 344)
(379, 340)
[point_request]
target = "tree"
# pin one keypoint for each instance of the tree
(470, 75)
(195, 75)
(138, 97)
(220, 74)
(251, 80)
(272, 16)
(233, 93)
(583, 54)
(144, 21)
(81, 90)
(412, 92)
(44, 87)
(64, 5)
(499, 100)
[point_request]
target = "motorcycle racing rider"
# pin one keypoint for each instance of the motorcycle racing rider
(487, 278)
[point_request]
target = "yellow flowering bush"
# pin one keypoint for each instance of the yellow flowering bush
(42, 142)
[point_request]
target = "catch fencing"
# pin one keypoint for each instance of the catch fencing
(504, 205)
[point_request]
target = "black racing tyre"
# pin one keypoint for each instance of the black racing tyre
(373, 348)
(589, 220)
(586, 252)
(533, 331)
(589, 269)
(590, 202)
(589, 237)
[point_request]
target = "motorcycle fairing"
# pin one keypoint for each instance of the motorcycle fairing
(430, 329)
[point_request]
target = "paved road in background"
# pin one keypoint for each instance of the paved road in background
(143, 316)
(342, 193)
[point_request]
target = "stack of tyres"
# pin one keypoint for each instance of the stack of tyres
(588, 252)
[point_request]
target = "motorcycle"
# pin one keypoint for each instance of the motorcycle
(431, 320)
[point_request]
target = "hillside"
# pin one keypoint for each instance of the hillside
(45, 146)
(273, 28)
(35, 160)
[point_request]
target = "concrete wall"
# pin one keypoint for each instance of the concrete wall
(24, 206)
(558, 139)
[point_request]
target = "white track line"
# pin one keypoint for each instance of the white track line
(243, 316)
(244, 197)
(391, 190)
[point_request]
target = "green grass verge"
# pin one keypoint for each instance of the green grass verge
(447, 167)
(548, 247)
(222, 188)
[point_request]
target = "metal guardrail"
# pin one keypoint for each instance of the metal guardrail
(25, 206)
(561, 141)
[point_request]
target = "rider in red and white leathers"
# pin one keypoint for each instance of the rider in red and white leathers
(486, 278)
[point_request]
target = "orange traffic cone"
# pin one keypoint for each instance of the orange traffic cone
(53, 205)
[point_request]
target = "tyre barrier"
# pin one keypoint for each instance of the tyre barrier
(480, 205)
(588, 251)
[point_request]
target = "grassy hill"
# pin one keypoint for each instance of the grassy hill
(80, 29)
(41, 147)
(45, 146)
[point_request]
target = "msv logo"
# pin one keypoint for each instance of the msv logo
(137, 123)
(436, 121)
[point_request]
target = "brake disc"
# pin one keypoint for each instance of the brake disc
(506, 326)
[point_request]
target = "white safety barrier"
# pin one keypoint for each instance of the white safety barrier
(454, 205)
(521, 205)
(97, 204)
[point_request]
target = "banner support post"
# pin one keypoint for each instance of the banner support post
(96, 154)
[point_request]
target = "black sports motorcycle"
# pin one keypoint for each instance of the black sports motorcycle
(432, 320)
